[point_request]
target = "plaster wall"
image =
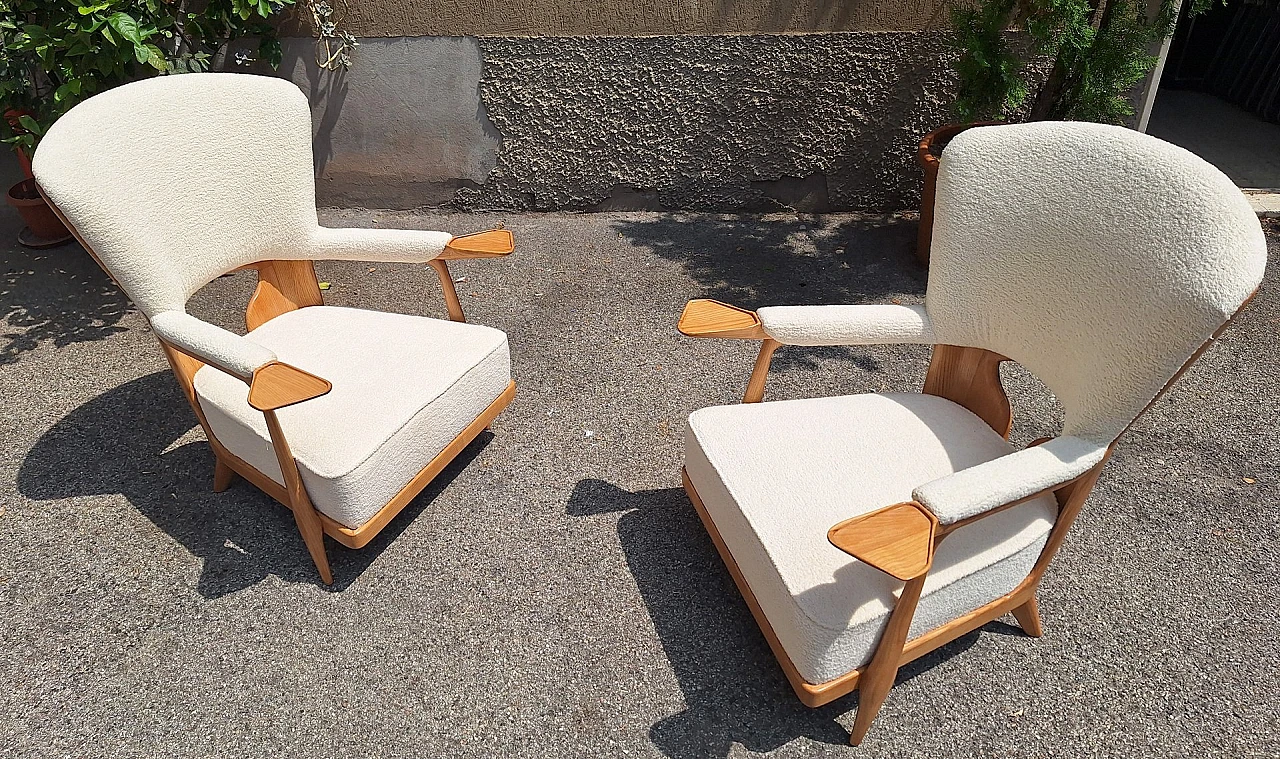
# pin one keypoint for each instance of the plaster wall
(403, 128)
(720, 123)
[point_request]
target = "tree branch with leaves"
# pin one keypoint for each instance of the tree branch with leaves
(57, 53)
(1100, 50)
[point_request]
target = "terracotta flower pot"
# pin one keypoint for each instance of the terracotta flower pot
(44, 229)
(930, 150)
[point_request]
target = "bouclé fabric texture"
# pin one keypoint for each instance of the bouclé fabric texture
(403, 388)
(1099, 258)
(846, 325)
(179, 179)
(230, 352)
(776, 476)
(176, 180)
(971, 491)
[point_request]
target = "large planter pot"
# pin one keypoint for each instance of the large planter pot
(930, 151)
(44, 229)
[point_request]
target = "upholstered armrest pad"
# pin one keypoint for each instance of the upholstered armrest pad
(392, 245)
(846, 325)
(1019, 475)
(215, 346)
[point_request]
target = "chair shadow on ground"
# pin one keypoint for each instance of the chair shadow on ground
(57, 295)
(795, 260)
(126, 441)
(734, 689)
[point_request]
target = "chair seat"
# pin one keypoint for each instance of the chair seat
(403, 388)
(774, 477)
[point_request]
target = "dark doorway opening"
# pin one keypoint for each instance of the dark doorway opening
(1219, 95)
(1231, 51)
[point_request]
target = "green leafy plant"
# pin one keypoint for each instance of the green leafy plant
(56, 53)
(1100, 50)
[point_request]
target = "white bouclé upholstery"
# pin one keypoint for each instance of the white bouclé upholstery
(774, 477)
(1099, 258)
(971, 491)
(168, 203)
(393, 245)
(176, 180)
(234, 353)
(846, 325)
(403, 388)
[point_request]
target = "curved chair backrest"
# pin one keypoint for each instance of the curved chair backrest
(1099, 258)
(167, 207)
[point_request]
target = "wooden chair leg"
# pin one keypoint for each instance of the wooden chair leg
(1028, 616)
(876, 680)
(304, 514)
(223, 476)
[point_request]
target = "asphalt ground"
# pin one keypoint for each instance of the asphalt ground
(553, 592)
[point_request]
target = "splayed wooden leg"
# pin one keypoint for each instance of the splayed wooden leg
(223, 476)
(313, 535)
(874, 683)
(303, 512)
(1028, 616)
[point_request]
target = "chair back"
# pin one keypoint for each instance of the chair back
(175, 180)
(1098, 257)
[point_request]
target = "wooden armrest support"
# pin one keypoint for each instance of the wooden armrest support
(711, 318)
(494, 243)
(897, 540)
(278, 385)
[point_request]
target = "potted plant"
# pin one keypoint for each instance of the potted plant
(1068, 60)
(57, 53)
(43, 227)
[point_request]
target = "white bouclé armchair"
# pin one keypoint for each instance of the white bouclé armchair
(867, 530)
(341, 414)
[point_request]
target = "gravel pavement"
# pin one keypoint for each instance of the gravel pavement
(553, 593)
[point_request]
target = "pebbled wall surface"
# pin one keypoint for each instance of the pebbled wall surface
(811, 122)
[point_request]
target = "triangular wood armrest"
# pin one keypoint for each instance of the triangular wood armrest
(278, 385)
(711, 318)
(897, 540)
(494, 243)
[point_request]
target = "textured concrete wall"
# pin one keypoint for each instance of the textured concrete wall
(395, 18)
(723, 123)
(711, 123)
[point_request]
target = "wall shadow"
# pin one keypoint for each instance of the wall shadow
(734, 690)
(126, 441)
(326, 94)
(792, 260)
(58, 295)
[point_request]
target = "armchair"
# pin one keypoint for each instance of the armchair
(343, 415)
(867, 530)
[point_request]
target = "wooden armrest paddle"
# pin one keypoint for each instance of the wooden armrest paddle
(494, 243)
(711, 318)
(897, 540)
(278, 385)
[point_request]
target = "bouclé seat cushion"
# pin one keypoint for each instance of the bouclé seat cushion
(774, 477)
(403, 388)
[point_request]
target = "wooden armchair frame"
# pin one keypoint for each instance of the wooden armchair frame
(901, 539)
(287, 285)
